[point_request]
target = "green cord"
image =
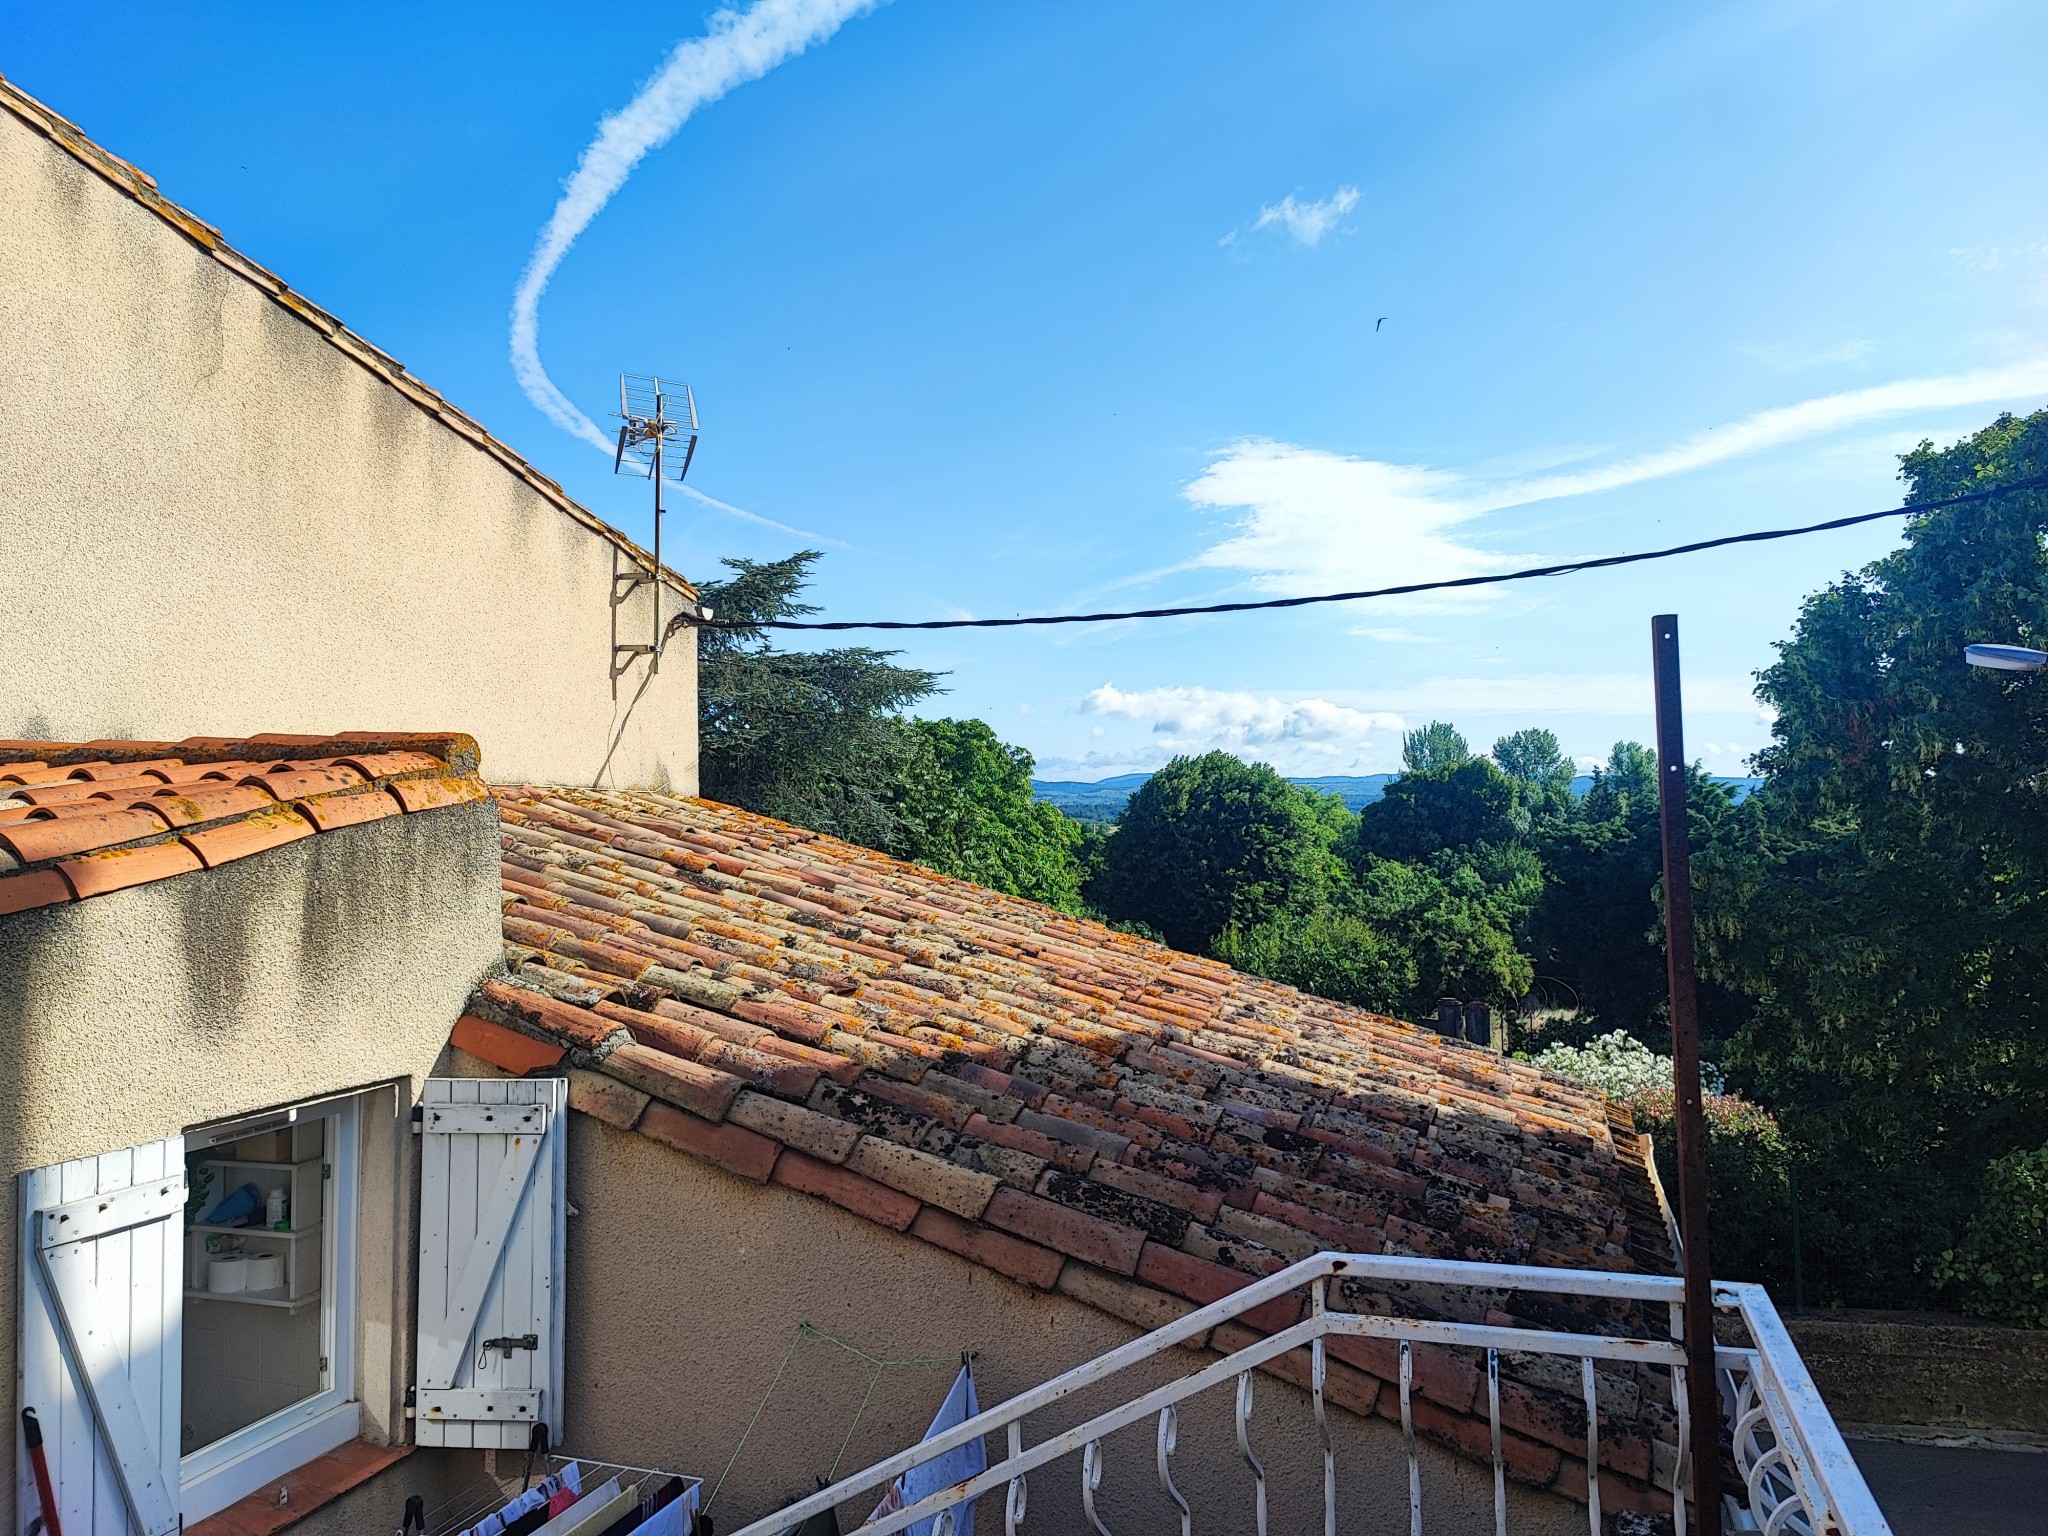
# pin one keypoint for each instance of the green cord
(874, 1379)
(755, 1419)
(804, 1331)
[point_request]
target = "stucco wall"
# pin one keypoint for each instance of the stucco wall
(686, 1286)
(335, 963)
(214, 522)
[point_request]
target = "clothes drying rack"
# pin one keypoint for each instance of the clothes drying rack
(463, 1510)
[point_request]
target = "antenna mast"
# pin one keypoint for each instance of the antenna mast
(657, 441)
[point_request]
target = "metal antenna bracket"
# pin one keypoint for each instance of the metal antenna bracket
(657, 441)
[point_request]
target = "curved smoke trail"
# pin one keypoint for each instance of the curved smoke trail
(738, 46)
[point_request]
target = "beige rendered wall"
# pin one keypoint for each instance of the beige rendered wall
(215, 522)
(332, 964)
(686, 1286)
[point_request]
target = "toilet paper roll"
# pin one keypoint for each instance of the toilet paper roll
(224, 1276)
(266, 1271)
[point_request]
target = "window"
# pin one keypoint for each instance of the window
(269, 1323)
(191, 1308)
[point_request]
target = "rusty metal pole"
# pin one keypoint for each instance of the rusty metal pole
(1702, 1391)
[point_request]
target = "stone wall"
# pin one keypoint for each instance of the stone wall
(1926, 1369)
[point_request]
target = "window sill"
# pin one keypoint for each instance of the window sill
(320, 1481)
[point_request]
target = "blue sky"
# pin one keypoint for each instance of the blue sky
(1031, 308)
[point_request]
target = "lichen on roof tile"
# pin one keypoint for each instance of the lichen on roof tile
(985, 1028)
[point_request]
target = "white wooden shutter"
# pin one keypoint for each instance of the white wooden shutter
(102, 1337)
(493, 1231)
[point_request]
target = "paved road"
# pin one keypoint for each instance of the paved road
(1935, 1490)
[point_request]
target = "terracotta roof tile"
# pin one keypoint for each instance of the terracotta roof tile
(843, 1187)
(1075, 1108)
(118, 868)
(53, 837)
(732, 1147)
(80, 819)
(1021, 1261)
(504, 1048)
(41, 888)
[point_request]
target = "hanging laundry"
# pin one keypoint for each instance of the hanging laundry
(892, 1501)
(956, 1466)
(527, 1510)
(579, 1514)
(675, 1517)
(608, 1512)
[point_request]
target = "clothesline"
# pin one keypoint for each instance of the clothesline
(806, 1331)
(575, 1497)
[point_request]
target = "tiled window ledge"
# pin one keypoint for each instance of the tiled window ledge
(320, 1481)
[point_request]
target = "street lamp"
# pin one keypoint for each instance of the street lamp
(2005, 658)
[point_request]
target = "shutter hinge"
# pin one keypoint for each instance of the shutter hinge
(327, 1170)
(323, 1364)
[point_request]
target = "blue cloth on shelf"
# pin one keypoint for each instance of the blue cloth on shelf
(234, 1210)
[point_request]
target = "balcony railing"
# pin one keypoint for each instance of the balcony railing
(1798, 1477)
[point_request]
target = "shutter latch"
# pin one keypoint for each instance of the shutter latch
(509, 1343)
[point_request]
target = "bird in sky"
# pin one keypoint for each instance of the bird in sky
(1378, 323)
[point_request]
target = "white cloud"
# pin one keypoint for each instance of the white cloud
(1312, 520)
(737, 46)
(1307, 223)
(1361, 732)
(1297, 736)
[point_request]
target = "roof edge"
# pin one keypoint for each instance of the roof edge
(459, 751)
(138, 185)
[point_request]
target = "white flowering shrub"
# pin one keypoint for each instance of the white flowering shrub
(1619, 1065)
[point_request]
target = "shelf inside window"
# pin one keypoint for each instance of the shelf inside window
(275, 1297)
(295, 1232)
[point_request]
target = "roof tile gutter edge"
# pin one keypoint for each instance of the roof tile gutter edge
(139, 185)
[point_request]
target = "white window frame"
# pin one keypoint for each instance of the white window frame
(237, 1464)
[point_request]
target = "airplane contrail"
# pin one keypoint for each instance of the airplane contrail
(738, 46)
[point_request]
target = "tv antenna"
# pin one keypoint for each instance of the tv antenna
(657, 441)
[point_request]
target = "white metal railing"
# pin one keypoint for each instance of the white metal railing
(1798, 1475)
(1799, 1479)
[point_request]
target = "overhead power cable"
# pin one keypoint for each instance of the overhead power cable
(1565, 568)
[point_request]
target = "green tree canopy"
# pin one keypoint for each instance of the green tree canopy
(1533, 758)
(1211, 841)
(1428, 810)
(1884, 897)
(979, 821)
(1456, 929)
(1597, 928)
(811, 737)
(1436, 745)
(818, 738)
(1331, 952)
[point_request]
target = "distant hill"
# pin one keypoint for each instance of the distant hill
(1103, 800)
